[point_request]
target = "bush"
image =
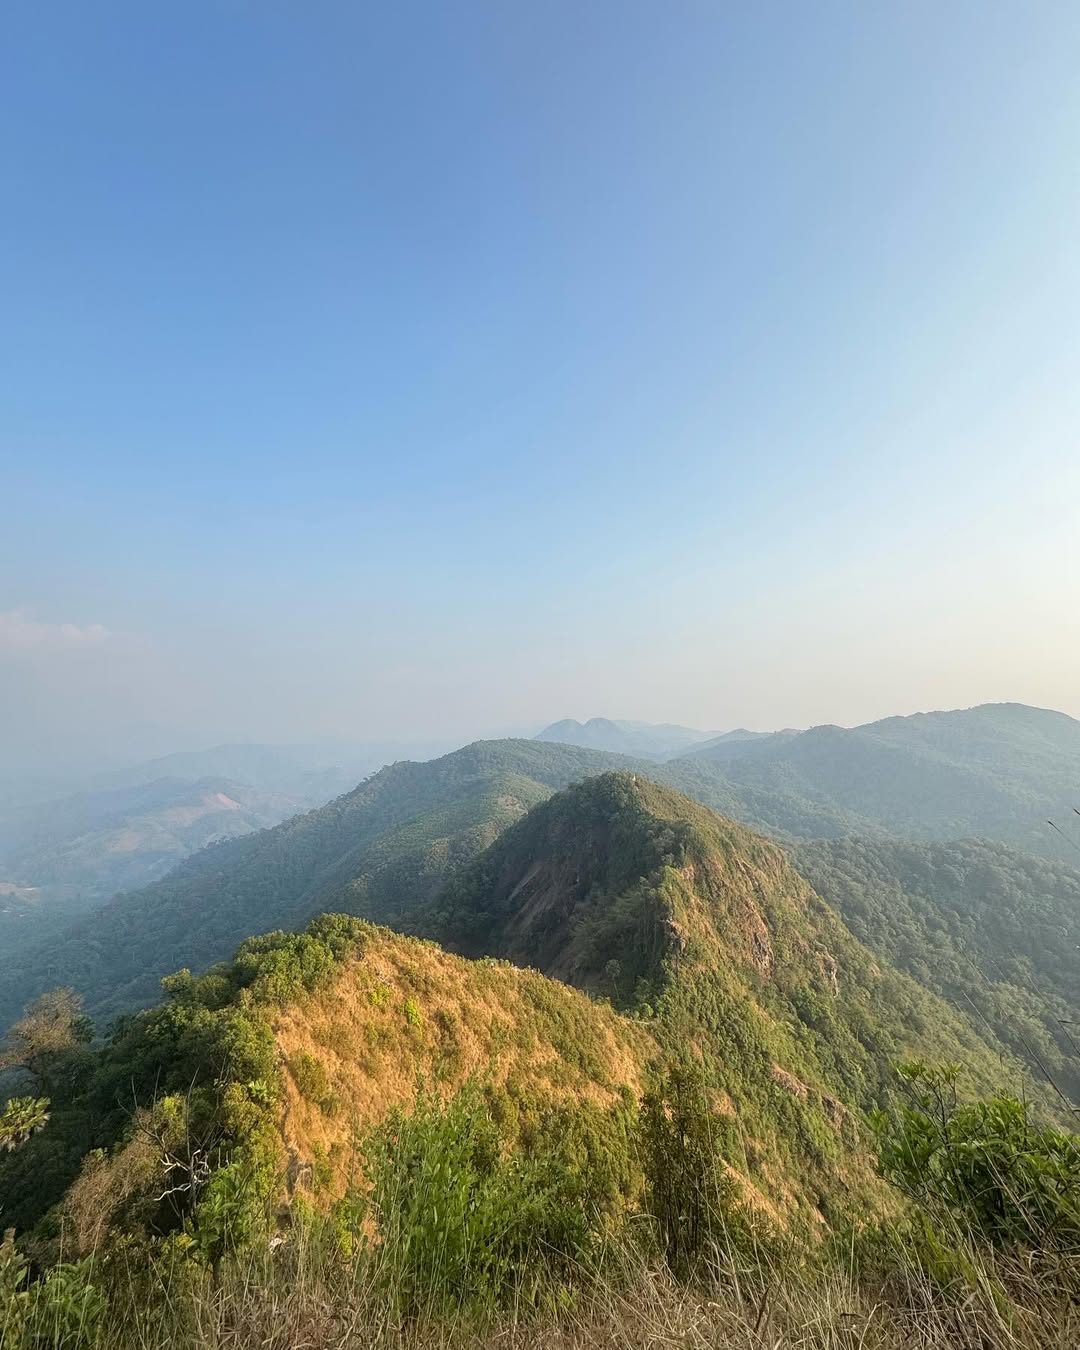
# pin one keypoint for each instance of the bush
(276, 967)
(236, 1207)
(60, 1312)
(464, 1223)
(984, 1168)
(309, 1074)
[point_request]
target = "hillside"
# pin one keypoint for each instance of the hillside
(318, 1036)
(735, 744)
(63, 853)
(629, 889)
(997, 771)
(991, 929)
(313, 772)
(293, 1051)
(379, 850)
(385, 849)
(66, 857)
(95, 842)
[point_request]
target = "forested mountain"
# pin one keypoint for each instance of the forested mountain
(379, 850)
(737, 743)
(626, 888)
(385, 849)
(993, 930)
(95, 841)
(997, 771)
(649, 740)
(700, 928)
(629, 889)
(64, 856)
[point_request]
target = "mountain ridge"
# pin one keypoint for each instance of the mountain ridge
(303, 1041)
(385, 848)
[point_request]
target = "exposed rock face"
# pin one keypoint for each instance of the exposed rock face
(790, 1083)
(830, 971)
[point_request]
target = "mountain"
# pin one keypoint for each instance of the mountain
(645, 739)
(629, 889)
(290, 1049)
(991, 929)
(64, 856)
(312, 772)
(737, 744)
(700, 929)
(385, 849)
(379, 851)
(99, 841)
(999, 771)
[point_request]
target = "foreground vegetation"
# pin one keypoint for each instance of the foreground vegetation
(599, 1228)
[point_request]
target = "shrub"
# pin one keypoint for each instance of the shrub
(309, 1075)
(276, 967)
(463, 1223)
(236, 1206)
(60, 1312)
(983, 1167)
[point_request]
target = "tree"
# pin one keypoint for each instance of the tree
(49, 1041)
(690, 1194)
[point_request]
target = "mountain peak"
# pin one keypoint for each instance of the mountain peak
(649, 740)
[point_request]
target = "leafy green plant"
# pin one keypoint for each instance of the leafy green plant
(462, 1220)
(984, 1167)
(14, 1299)
(21, 1118)
(236, 1207)
(60, 1312)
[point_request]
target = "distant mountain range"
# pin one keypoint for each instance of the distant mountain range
(654, 740)
(649, 740)
(64, 856)
(68, 856)
(998, 771)
(386, 848)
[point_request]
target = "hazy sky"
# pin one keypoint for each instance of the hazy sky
(436, 368)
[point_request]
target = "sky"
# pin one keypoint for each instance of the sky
(444, 369)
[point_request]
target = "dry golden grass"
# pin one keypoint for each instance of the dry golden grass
(296, 1300)
(409, 1012)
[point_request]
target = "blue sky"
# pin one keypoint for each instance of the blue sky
(430, 368)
